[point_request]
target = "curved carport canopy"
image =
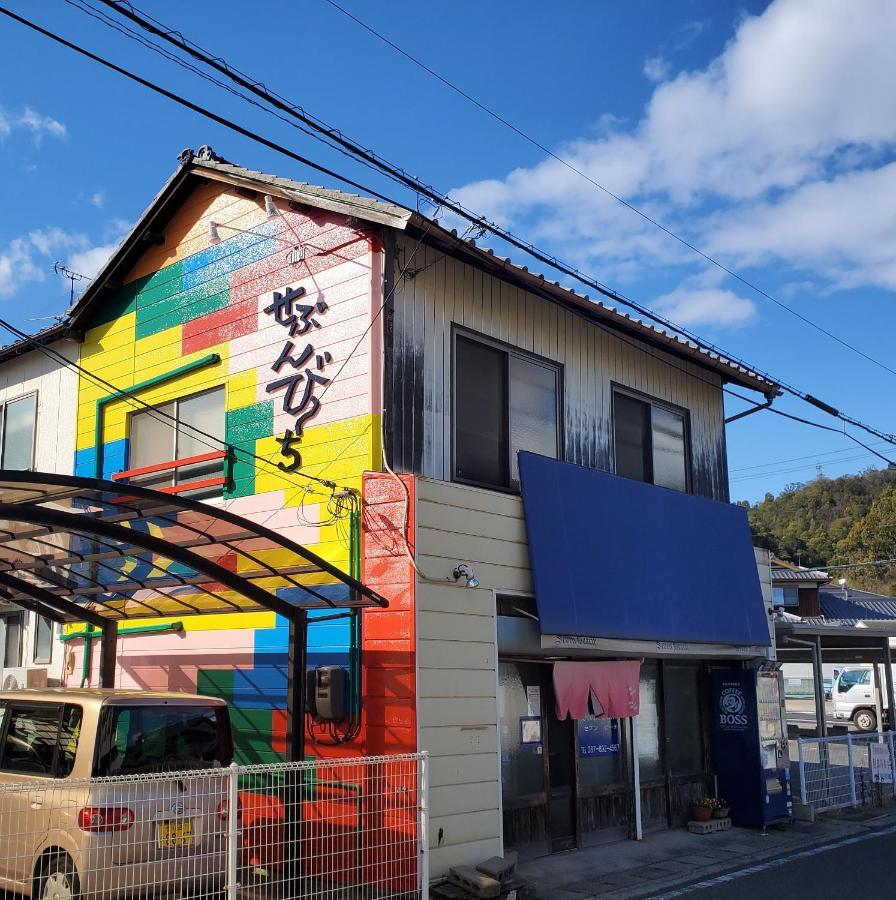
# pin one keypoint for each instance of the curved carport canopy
(77, 549)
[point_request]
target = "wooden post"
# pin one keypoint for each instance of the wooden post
(888, 678)
(636, 776)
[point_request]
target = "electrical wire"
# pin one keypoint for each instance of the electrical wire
(630, 206)
(441, 200)
(779, 462)
(176, 38)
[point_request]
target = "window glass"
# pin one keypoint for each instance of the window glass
(522, 764)
(480, 415)
(683, 727)
(648, 724)
(600, 757)
(205, 413)
(533, 411)
(43, 639)
(631, 423)
(163, 739)
(69, 733)
(12, 640)
(669, 455)
(852, 677)
(31, 740)
(18, 433)
(151, 441)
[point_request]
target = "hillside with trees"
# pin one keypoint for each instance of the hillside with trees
(833, 520)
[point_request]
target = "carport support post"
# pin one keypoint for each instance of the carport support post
(821, 713)
(888, 676)
(107, 655)
(294, 781)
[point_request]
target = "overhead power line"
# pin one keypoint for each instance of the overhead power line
(628, 205)
(425, 190)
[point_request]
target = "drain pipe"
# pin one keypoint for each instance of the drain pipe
(821, 716)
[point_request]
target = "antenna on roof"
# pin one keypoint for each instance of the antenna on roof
(60, 269)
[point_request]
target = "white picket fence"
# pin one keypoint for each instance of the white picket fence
(346, 828)
(846, 770)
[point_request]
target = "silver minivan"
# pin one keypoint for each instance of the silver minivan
(93, 801)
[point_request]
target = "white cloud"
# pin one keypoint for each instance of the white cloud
(779, 150)
(38, 124)
(656, 69)
(29, 259)
(709, 307)
(97, 199)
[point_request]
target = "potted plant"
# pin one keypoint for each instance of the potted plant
(701, 811)
(720, 809)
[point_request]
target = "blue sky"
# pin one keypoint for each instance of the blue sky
(764, 133)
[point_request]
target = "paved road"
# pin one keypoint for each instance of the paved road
(854, 867)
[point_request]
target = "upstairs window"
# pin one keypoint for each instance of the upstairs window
(11, 628)
(180, 430)
(786, 595)
(504, 401)
(19, 417)
(43, 640)
(651, 442)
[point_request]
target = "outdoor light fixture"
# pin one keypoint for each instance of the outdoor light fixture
(213, 236)
(297, 255)
(464, 571)
(269, 206)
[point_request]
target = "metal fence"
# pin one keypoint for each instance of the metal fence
(846, 770)
(347, 828)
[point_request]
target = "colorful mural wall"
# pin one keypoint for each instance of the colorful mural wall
(287, 336)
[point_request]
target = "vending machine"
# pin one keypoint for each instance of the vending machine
(749, 743)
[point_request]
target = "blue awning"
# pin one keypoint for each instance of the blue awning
(615, 558)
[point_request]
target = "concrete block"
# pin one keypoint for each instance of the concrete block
(710, 827)
(448, 891)
(474, 882)
(499, 867)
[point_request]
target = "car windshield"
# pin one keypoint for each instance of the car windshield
(164, 739)
(850, 678)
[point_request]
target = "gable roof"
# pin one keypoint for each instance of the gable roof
(856, 606)
(206, 165)
(782, 573)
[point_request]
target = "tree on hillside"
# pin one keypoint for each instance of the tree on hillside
(873, 537)
(806, 523)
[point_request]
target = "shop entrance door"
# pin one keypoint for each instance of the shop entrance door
(561, 776)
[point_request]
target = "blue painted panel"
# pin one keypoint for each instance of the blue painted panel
(615, 558)
(115, 458)
(230, 254)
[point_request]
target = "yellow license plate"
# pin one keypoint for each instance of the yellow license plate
(175, 834)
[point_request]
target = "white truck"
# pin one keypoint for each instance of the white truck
(852, 696)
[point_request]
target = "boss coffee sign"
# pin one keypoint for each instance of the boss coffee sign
(731, 707)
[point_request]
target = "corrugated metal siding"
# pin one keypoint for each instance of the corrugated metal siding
(445, 292)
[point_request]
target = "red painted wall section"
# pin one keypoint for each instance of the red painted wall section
(390, 711)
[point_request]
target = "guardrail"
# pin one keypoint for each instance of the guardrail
(323, 828)
(846, 770)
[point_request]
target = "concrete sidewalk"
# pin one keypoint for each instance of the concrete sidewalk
(670, 859)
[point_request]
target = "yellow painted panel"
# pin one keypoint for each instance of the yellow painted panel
(241, 389)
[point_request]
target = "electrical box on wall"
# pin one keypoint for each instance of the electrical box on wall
(329, 694)
(311, 692)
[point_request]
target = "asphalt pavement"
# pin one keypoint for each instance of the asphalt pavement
(852, 867)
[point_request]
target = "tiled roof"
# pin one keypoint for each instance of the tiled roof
(856, 606)
(782, 574)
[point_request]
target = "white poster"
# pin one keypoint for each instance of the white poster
(533, 700)
(881, 771)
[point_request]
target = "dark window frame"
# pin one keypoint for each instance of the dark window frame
(615, 389)
(458, 331)
(20, 615)
(48, 659)
(3, 406)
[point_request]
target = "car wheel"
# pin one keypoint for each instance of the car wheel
(865, 720)
(58, 879)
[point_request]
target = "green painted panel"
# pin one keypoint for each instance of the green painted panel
(161, 285)
(215, 683)
(253, 732)
(117, 304)
(183, 307)
(249, 423)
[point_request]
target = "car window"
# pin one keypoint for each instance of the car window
(164, 739)
(30, 745)
(851, 678)
(69, 733)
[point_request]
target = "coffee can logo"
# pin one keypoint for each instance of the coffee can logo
(733, 705)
